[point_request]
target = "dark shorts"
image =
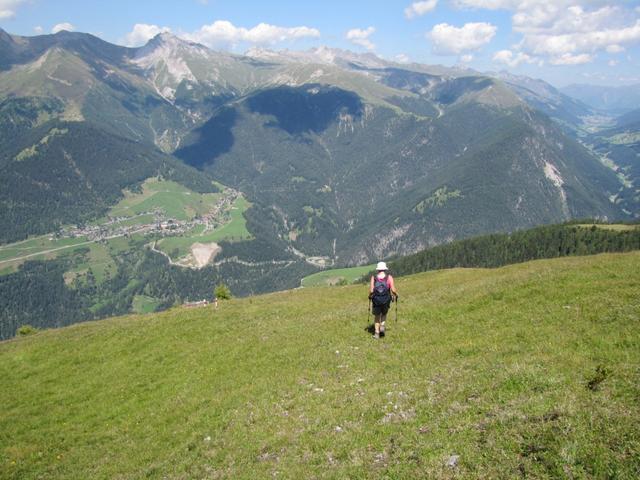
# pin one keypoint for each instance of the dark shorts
(380, 309)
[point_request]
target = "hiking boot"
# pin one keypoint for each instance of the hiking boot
(381, 331)
(376, 335)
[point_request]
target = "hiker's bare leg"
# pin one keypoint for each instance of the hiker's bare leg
(383, 318)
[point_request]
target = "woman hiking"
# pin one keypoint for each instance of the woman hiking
(381, 291)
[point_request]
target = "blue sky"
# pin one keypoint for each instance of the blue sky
(561, 41)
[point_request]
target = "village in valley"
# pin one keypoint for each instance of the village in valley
(156, 222)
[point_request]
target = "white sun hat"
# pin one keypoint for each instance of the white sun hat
(381, 266)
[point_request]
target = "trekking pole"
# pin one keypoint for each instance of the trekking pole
(369, 312)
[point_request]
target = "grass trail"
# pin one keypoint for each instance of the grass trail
(531, 370)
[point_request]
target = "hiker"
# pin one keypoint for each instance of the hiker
(381, 292)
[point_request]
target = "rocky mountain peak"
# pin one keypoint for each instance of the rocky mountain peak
(170, 42)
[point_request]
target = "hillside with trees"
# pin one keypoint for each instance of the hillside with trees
(551, 241)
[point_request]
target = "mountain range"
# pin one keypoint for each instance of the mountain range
(611, 99)
(344, 157)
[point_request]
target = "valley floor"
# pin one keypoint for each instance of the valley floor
(530, 370)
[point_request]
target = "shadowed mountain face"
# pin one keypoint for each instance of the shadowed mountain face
(210, 140)
(305, 109)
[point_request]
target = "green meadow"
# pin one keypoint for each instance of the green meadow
(616, 227)
(234, 230)
(38, 248)
(177, 201)
(526, 371)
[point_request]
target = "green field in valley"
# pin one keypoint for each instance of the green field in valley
(525, 371)
(234, 230)
(177, 201)
(332, 277)
(616, 227)
(39, 248)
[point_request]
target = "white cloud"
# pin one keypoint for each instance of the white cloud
(417, 9)
(466, 58)
(487, 4)
(224, 33)
(8, 7)
(63, 26)
(402, 58)
(568, 32)
(361, 37)
(613, 63)
(142, 33)
(449, 40)
(615, 49)
(569, 59)
(513, 60)
(582, 42)
(38, 29)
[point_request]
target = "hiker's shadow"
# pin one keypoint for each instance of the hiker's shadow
(370, 328)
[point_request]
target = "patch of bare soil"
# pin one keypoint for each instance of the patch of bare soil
(204, 253)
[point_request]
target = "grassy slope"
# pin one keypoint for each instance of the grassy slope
(489, 365)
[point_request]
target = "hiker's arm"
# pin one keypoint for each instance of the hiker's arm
(371, 286)
(392, 287)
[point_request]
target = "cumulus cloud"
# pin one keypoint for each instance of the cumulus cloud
(569, 59)
(38, 29)
(142, 33)
(417, 9)
(449, 40)
(224, 33)
(8, 7)
(63, 26)
(568, 32)
(466, 58)
(402, 58)
(361, 37)
(486, 4)
(579, 43)
(615, 49)
(512, 59)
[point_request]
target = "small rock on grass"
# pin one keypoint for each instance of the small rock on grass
(452, 462)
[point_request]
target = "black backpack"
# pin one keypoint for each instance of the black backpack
(381, 291)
